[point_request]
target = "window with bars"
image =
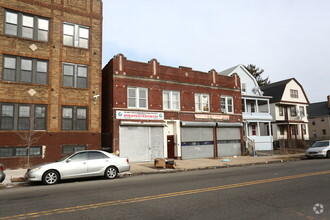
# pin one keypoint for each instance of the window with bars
(74, 118)
(24, 69)
(26, 25)
(227, 104)
(15, 116)
(171, 100)
(69, 149)
(202, 102)
(137, 97)
(75, 75)
(19, 151)
(75, 35)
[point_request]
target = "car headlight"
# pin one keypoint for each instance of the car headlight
(35, 169)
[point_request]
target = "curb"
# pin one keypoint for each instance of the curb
(21, 181)
(209, 167)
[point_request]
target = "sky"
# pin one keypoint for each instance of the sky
(285, 38)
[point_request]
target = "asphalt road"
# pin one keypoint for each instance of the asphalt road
(291, 190)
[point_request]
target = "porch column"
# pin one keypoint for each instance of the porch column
(258, 126)
(268, 107)
(270, 129)
(257, 107)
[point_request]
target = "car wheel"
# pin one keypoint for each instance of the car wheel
(51, 177)
(328, 154)
(111, 172)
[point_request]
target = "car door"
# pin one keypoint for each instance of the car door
(75, 166)
(97, 163)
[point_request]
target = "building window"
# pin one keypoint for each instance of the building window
(253, 107)
(227, 104)
(282, 130)
(281, 110)
(243, 87)
(202, 102)
(293, 111)
(19, 151)
(26, 26)
(75, 75)
(294, 93)
(74, 118)
(324, 132)
(304, 129)
(322, 119)
(75, 35)
(254, 130)
(22, 116)
(69, 149)
(137, 97)
(23, 69)
(302, 111)
(313, 122)
(171, 100)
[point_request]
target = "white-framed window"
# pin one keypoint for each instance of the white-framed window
(137, 97)
(75, 35)
(243, 87)
(281, 111)
(202, 102)
(171, 100)
(302, 111)
(227, 104)
(294, 93)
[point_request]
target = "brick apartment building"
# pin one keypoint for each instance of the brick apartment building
(50, 79)
(152, 111)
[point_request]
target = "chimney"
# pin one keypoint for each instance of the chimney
(328, 101)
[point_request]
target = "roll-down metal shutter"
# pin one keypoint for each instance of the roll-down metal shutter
(229, 141)
(197, 142)
(141, 143)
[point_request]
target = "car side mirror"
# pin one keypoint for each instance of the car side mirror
(68, 160)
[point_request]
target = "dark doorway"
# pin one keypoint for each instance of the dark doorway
(170, 146)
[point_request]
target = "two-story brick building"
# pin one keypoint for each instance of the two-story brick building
(50, 79)
(151, 110)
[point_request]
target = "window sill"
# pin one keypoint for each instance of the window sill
(75, 88)
(26, 39)
(73, 47)
(24, 83)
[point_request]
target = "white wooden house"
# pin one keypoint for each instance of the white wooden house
(255, 111)
(288, 108)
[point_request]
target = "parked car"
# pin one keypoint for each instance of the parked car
(87, 163)
(319, 149)
(2, 173)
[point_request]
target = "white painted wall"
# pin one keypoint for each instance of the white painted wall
(293, 85)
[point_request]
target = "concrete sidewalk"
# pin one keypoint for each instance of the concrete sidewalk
(14, 177)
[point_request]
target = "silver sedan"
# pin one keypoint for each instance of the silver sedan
(81, 164)
(2, 173)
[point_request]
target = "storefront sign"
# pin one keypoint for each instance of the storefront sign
(139, 115)
(214, 117)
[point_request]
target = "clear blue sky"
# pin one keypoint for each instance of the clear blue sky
(286, 38)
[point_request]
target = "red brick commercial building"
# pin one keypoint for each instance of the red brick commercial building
(152, 111)
(50, 79)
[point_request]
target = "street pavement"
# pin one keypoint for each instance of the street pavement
(15, 177)
(292, 190)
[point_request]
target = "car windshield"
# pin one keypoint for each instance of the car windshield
(64, 158)
(321, 144)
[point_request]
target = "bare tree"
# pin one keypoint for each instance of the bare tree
(30, 137)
